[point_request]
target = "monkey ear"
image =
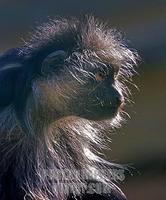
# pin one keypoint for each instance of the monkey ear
(9, 67)
(53, 60)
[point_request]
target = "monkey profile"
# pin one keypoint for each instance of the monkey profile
(60, 93)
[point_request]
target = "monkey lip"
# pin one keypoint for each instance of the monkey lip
(122, 106)
(100, 113)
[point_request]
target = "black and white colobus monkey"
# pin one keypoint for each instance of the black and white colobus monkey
(59, 94)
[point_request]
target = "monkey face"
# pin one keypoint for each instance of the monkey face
(80, 84)
(68, 68)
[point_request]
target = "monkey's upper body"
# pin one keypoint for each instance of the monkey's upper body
(59, 93)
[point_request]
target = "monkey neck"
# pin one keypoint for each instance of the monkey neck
(59, 154)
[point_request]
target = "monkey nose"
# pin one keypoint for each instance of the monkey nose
(114, 97)
(118, 100)
(121, 103)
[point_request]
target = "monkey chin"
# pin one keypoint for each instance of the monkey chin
(102, 113)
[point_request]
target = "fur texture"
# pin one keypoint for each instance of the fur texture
(48, 144)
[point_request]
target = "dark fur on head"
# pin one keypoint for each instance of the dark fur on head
(64, 90)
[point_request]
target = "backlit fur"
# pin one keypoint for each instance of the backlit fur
(50, 146)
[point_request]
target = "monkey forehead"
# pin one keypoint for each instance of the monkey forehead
(77, 35)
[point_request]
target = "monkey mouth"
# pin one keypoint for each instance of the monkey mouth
(100, 113)
(122, 106)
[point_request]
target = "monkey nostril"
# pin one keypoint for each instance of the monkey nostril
(119, 100)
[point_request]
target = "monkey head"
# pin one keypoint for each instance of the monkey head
(71, 68)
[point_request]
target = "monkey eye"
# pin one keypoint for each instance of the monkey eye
(100, 76)
(110, 71)
(53, 60)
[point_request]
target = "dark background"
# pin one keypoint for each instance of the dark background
(142, 141)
